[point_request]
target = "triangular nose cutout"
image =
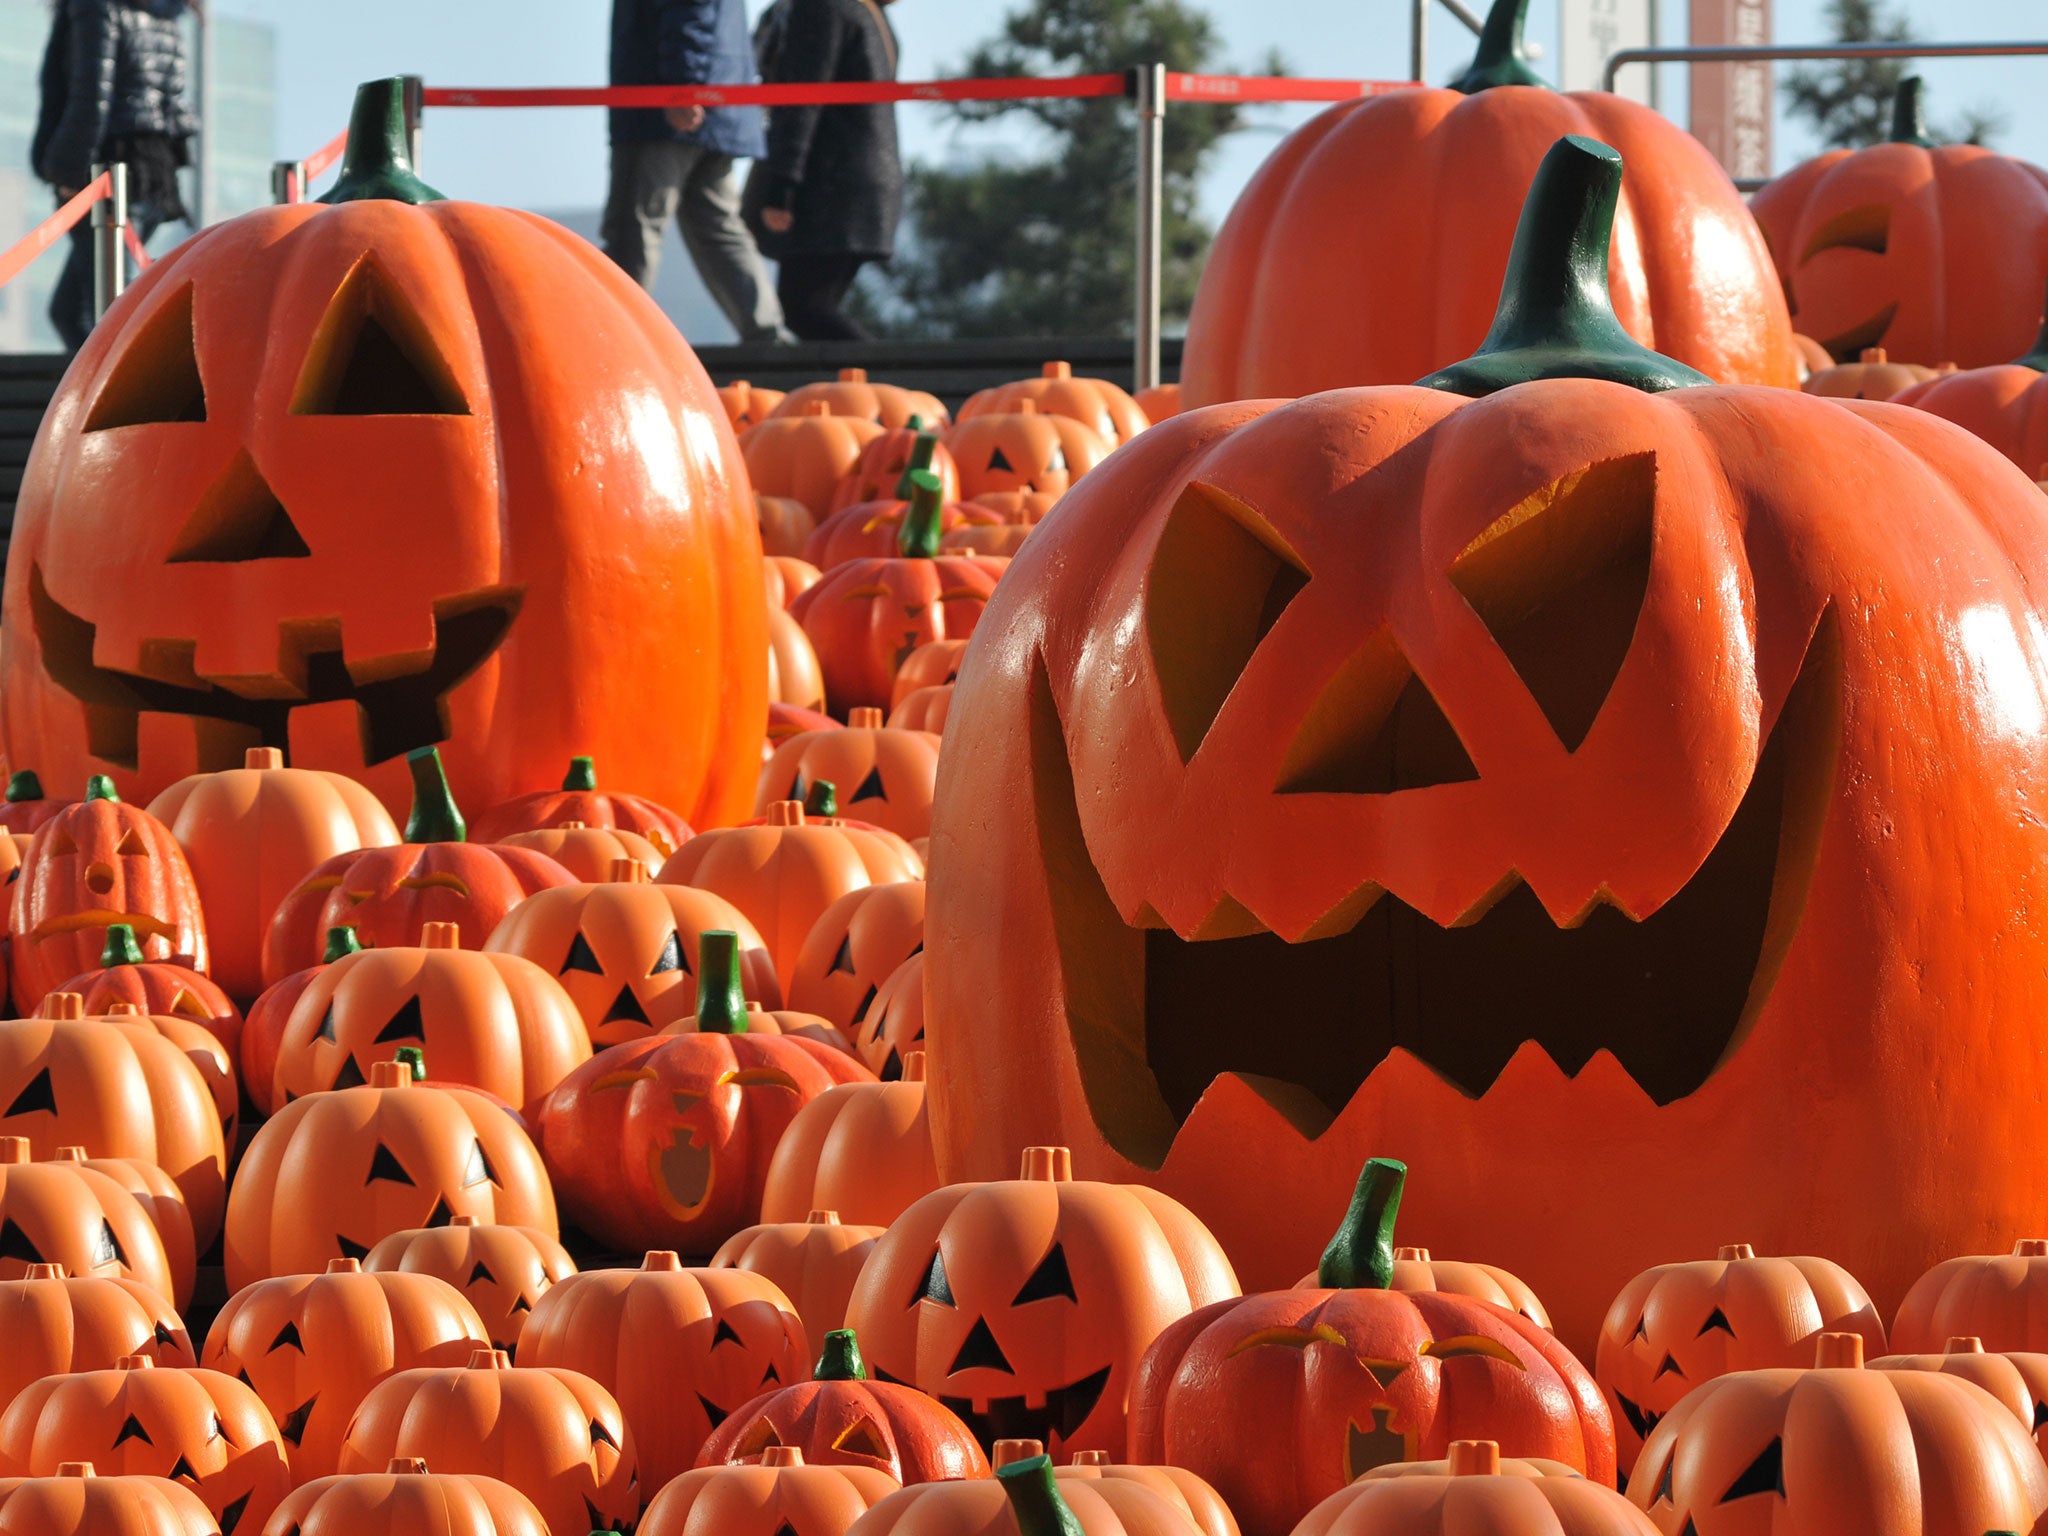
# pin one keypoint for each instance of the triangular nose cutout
(980, 1350)
(1375, 729)
(239, 519)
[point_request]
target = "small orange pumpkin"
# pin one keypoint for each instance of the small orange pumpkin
(24, 806)
(156, 987)
(891, 772)
(894, 1027)
(215, 1066)
(778, 1495)
(53, 1324)
(79, 1502)
(580, 800)
(786, 576)
(1178, 1486)
(1096, 403)
(407, 1500)
(78, 1218)
(802, 455)
(1023, 450)
(1475, 1487)
(924, 709)
(864, 1149)
(814, 1262)
(786, 525)
(853, 395)
(1873, 376)
(871, 529)
(501, 1271)
(929, 666)
(747, 405)
(1024, 508)
(853, 947)
(795, 675)
(589, 853)
(2001, 1298)
(883, 468)
(1159, 402)
(263, 1030)
(160, 1200)
(2018, 1379)
(1028, 1497)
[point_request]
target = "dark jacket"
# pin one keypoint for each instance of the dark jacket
(835, 168)
(114, 69)
(685, 42)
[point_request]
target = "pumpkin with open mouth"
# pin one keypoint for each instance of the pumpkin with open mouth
(1613, 795)
(352, 480)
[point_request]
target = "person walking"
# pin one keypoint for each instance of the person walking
(827, 198)
(678, 164)
(113, 88)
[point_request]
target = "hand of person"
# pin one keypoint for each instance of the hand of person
(781, 220)
(684, 119)
(65, 194)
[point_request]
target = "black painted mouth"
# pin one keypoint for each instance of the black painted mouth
(1056, 1422)
(1156, 1018)
(1641, 1420)
(397, 710)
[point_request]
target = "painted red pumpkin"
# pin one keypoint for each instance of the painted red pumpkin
(219, 543)
(1996, 1297)
(746, 404)
(24, 806)
(853, 395)
(127, 976)
(1475, 1487)
(853, 947)
(333, 1174)
(1024, 1305)
(79, 1502)
(1096, 403)
(779, 1495)
(91, 865)
(80, 1219)
(874, 529)
(679, 1348)
(1887, 245)
(1677, 1325)
(501, 1271)
(389, 895)
(194, 1426)
(864, 1149)
(881, 472)
(263, 1030)
(493, 1021)
(841, 1418)
(251, 834)
(1357, 1374)
(54, 1324)
(579, 799)
(883, 775)
(866, 616)
(407, 1500)
(1415, 1270)
(814, 1262)
(1024, 449)
(556, 1436)
(665, 1142)
(1459, 723)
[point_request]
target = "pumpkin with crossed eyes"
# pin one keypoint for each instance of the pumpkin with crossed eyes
(679, 1348)
(502, 1271)
(1354, 1374)
(1023, 449)
(389, 895)
(626, 951)
(197, 1427)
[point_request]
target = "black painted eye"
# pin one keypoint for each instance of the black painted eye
(1716, 1319)
(842, 958)
(405, 1024)
(1764, 1475)
(133, 1430)
(482, 1272)
(936, 1287)
(724, 1333)
(870, 787)
(671, 958)
(288, 1338)
(1001, 460)
(580, 957)
(38, 1098)
(1049, 1279)
(384, 1164)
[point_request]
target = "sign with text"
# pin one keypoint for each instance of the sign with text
(1731, 103)
(1590, 31)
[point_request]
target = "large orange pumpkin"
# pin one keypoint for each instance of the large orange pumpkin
(853, 395)
(679, 1348)
(92, 865)
(79, 1218)
(1547, 754)
(312, 1345)
(2001, 1298)
(1314, 282)
(864, 1149)
(220, 542)
(1935, 252)
(408, 1500)
(53, 1324)
(501, 1271)
(1096, 403)
(78, 1502)
(579, 799)
(252, 833)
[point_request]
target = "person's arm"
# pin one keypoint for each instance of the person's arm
(812, 39)
(686, 37)
(89, 99)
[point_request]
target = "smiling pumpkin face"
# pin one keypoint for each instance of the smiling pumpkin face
(219, 546)
(1544, 754)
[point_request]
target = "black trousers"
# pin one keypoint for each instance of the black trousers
(812, 289)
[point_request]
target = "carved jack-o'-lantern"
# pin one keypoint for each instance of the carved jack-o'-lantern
(79, 1502)
(855, 945)
(263, 1030)
(83, 1220)
(881, 774)
(579, 799)
(53, 1324)
(881, 470)
(408, 1500)
(1023, 449)
(1547, 753)
(502, 1271)
(156, 987)
(1023, 1305)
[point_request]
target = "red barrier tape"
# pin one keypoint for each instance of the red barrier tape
(325, 156)
(134, 244)
(1275, 88)
(52, 229)
(838, 93)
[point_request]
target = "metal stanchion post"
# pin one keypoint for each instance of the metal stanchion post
(1418, 42)
(284, 182)
(109, 231)
(1151, 102)
(415, 108)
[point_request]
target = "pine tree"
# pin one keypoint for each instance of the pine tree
(1849, 101)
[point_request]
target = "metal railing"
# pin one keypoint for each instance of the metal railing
(1418, 32)
(1770, 53)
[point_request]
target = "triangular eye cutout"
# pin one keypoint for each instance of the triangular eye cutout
(1559, 581)
(1668, 1367)
(867, 1001)
(14, 1244)
(440, 1215)
(863, 1437)
(1220, 579)
(132, 846)
(1664, 1495)
(1375, 729)
(670, 958)
(326, 1030)
(351, 1073)
(980, 1350)
(482, 1272)
(133, 1430)
(157, 378)
(182, 1469)
(626, 1006)
(581, 958)
(599, 1435)
(1764, 1475)
(759, 1436)
(936, 1287)
(870, 787)
(1643, 1326)
(478, 1169)
(372, 356)
(108, 1249)
(187, 1005)
(2040, 1415)
(288, 1338)
(384, 1164)
(293, 1425)
(238, 519)
(164, 1334)
(1049, 1279)
(405, 1024)
(1001, 460)
(350, 1248)
(1716, 1319)
(771, 1374)
(842, 958)
(38, 1098)
(724, 1333)
(231, 1513)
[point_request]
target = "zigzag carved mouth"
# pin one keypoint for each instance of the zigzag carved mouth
(1157, 1018)
(401, 703)
(1053, 1423)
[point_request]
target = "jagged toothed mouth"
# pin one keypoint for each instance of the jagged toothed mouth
(1641, 1420)
(1375, 1444)
(401, 701)
(1157, 1018)
(1053, 1422)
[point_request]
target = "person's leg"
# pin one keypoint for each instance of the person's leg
(646, 182)
(813, 288)
(71, 303)
(723, 249)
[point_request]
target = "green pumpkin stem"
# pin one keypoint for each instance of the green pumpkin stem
(24, 786)
(414, 1058)
(1501, 59)
(1909, 117)
(121, 948)
(822, 799)
(1035, 1500)
(582, 774)
(340, 941)
(919, 539)
(721, 1001)
(1361, 1256)
(377, 165)
(922, 448)
(1556, 318)
(100, 787)
(434, 817)
(841, 1360)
